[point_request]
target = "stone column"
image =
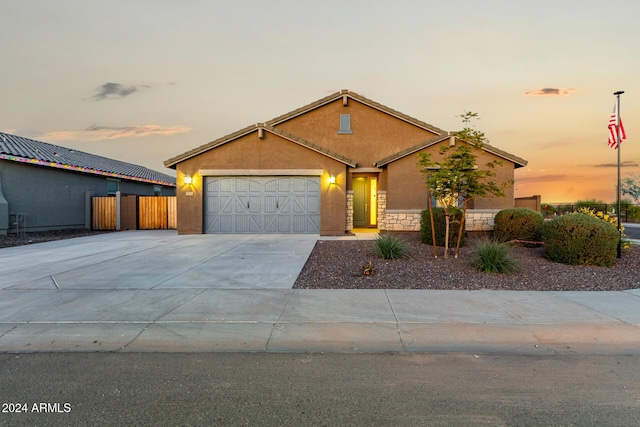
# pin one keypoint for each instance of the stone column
(382, 210)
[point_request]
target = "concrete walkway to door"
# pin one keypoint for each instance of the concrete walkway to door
(137, 291)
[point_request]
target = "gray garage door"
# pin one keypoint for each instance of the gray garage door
(262, 204)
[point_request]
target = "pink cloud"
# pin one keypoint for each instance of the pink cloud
(103, 133)
(550, 91)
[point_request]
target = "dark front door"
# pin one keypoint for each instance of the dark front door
(365, 190)
(360, 205)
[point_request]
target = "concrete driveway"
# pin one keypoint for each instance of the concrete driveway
(139, 291)
(158, 260)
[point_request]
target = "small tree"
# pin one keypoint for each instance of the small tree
(631, 187)
(457, 179)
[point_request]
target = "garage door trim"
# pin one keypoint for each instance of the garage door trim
(261, 172)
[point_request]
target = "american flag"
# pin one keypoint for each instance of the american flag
(613, 129)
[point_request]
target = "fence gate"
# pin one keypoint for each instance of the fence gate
(103, 213)
(156, 212)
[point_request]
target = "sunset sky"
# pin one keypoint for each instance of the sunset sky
(145, 80)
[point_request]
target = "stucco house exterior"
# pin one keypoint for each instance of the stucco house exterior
(48, 187)
(339, 163)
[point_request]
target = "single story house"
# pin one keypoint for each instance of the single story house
(48, 187)
(339, 163)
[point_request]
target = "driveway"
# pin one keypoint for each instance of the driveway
(157, 260)
(154, 291)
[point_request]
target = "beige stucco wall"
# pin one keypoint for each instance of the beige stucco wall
(408, 190)
(252, 153)
(376, 135)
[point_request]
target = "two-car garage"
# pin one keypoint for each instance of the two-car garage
(262, 204)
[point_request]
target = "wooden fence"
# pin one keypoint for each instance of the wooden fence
(103, 213)
(532, 202)
(153, 213)
(157, 212)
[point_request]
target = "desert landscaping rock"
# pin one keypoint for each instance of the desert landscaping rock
(338, 264)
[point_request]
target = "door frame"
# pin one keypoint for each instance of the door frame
(371, 197)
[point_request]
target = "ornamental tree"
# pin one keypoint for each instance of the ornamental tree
(456, 179)
(631, 187)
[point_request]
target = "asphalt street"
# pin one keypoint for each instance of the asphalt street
(258, 389)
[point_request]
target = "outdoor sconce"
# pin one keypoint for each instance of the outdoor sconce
(332, 179)
(188, 180)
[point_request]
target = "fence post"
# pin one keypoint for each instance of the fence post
(117, 211)
(87, 209)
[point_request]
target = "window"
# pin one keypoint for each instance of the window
(345, 124)
(112, 187)
(157, 190)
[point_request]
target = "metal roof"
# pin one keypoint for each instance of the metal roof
(25, 150)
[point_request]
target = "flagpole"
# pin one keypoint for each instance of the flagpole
(617, 94)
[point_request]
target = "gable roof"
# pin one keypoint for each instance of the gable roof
(352, 95)
(270, 126)
(517, 161)
(171, 163)
(19, 149)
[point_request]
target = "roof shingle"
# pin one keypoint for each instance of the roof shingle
(25, 150)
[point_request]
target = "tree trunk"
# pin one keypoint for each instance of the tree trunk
(464, 216)
(446, 232)
(433, 229)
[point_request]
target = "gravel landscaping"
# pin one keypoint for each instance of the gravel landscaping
(337, 264)
(43, 236)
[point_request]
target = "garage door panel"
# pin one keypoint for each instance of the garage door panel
(270, 204)
(262, 205)
(313, 205)
(284, 224)
(248, 224)
(255, 204)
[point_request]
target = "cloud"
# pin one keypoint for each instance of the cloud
(103, 133)
(550, 91)
(625, 164)
(115, 90)
(542, 178)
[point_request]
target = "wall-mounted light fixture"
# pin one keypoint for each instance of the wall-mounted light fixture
(332, 179)
(188, 180)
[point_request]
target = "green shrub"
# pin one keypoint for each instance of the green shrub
(580, 239)
(596, 205)
(493, 257)
(517, 223)
(439, 221)
(633, 213)
(390, 247)
(548, 210)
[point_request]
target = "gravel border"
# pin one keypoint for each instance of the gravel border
(21, 239)
(337, 264)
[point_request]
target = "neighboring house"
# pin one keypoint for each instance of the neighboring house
(336, 164)
(48, 187)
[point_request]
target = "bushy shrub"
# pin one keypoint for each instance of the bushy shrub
(633, 213)
(548, 210)
(517, 223)
(493, 257)
(390, 247)
(596, 205)
(580, 239)
(625, 243)
(439, 221)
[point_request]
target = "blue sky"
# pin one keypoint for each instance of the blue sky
(143, 81)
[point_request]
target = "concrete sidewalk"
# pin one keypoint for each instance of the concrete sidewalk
(154, 292)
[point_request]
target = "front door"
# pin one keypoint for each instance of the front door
(364, 201)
